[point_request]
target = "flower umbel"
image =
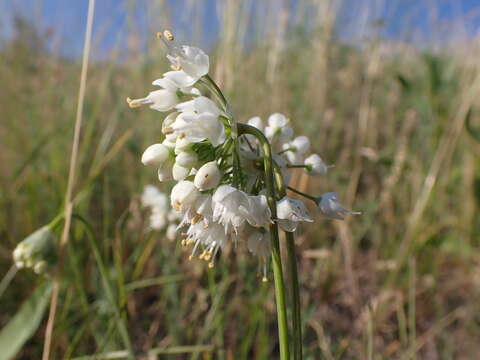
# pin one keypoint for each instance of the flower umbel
(220, 193)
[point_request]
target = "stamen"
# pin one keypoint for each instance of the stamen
(205, 226)
(264, 279)
(211, 265)
(196, 219)
(167, 131)
(133, 103)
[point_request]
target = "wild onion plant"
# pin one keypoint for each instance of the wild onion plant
(231, 178)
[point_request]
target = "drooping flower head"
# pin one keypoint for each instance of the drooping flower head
(220, 190)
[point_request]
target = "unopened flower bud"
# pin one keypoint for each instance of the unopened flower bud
(179, 172)
(155, 154)
(186, 159)
(36, 251)
(208, 176)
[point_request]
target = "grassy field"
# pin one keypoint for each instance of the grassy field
(399, 122)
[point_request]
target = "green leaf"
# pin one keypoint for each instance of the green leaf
(25, 322)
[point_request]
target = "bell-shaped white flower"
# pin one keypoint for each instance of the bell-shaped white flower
(211, 236)
(257, 122)
(186, 159)
(203, 206)
(184, 195)
(290, 212)
(199, 105)
(295, 149)
(259, 245)
(278, 127)
(167, 130)
(164, 99)
(315, 165)
(208, 176)
(331, 207)
(171, 232)
(155, 154)
(232, 208)
(192, 60)
(158, 219)
(198, 127)
(179, 172)
(152, 197)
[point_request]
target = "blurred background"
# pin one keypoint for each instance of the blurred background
(388, 91)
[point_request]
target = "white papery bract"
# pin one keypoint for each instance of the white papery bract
(331, 207)
(290, 212)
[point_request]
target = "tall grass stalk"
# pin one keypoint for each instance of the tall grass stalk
(47, 348)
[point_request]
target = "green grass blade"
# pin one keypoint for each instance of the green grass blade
(25, 322)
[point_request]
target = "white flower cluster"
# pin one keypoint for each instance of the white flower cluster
(162, 216)
(221, 185)
(36, 251)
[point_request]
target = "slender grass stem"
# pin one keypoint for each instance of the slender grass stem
(71, 181)
(276, 257)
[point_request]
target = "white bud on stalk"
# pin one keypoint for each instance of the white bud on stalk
(208, 176)
(155, 154)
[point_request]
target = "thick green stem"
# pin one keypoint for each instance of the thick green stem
(293, 277)
(276, 258)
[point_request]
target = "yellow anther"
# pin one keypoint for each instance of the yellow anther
(184, 242)
(207, 257)
(167, 131)
(196, 219)
(190, 241)
(133, 103)
(190, 257)
(158, 35)
(175, 67)
(211, 265)
(205, 226)
(264, 279)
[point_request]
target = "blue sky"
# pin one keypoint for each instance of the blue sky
(405, 20)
